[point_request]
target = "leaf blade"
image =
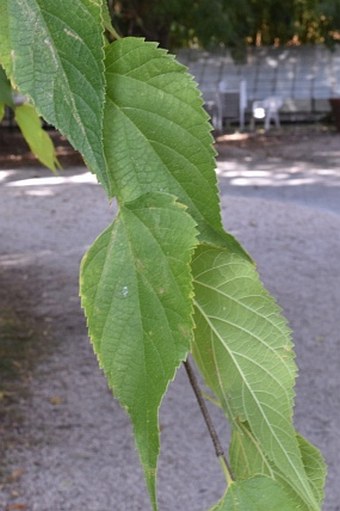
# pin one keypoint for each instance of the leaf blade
(5, 49)
(243, 348)
(38, 139)
(5, 89)
(248, 460)
(315, 466)
(256, 494)
(57, 60)
(162, 134)
(140, 314)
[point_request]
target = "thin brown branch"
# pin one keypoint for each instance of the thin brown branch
(207, 417)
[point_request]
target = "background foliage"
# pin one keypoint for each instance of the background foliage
(209, 23)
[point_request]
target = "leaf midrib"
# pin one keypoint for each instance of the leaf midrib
(65, 81)
(139, 276)
(302, 481)
(164, 92)
(190, 201)
(124, 110)
(240, 303)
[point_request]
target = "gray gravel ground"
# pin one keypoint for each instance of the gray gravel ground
(65, 443)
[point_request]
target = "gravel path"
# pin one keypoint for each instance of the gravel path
(66, 445)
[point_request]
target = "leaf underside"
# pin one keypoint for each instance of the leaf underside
(257, 494)
(248, 459)
(243, 348)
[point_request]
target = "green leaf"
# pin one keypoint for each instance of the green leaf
(257, 494)
(5, 49)
(2, 111)
(315, 466)
(5, 89)
(57, 60)
(107, 20)
(243, 348)
(248, 459)
(38, 139)
(246, 455)
(136, 290)
(157, 135)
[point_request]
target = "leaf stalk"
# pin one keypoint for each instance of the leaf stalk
(209, 423)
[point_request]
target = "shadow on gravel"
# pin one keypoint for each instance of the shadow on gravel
(23, 344)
